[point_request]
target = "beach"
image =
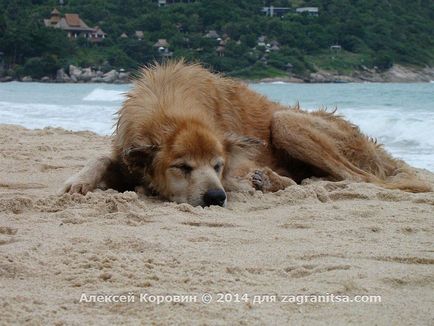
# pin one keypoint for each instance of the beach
(318, 238)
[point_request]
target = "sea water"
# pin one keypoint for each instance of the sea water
(399, 115)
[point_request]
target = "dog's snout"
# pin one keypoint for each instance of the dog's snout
(214, 197)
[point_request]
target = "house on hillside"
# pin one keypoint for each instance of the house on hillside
(212, 34)
(274, 46)
(310, 11)
(161, 43)
(139, 35)
(220, 51)
(261, 41)
(74, 26)
(163, 3)
(275, 11)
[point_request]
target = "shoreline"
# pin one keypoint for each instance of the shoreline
(268, 80)
(396, 74)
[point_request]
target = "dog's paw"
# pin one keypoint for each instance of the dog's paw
(267, 180)
(76, 186)
(260, 180)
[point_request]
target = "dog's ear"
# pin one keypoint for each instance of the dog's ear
(140, 156)
(242, 145)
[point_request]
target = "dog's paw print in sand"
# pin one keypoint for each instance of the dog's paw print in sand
(267, 180)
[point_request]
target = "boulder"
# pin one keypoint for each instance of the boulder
(62, 76)
(6, 79)
(124, 76)
(45, 79)
(96, 80)
(111, 76)
(74, 71)
(26, 79)
(86, 75)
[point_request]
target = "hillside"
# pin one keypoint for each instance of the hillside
(234, 37)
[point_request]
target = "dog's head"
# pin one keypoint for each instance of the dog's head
(188, 167)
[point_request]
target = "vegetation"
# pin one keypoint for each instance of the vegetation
(372, 33)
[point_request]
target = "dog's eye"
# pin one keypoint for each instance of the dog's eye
(218, 167)
(184, 168)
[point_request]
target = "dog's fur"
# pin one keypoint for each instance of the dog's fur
(183, 132)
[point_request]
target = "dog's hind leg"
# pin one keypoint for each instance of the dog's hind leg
(307, 139)
(89, 178)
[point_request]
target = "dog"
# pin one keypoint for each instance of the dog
(190, 136)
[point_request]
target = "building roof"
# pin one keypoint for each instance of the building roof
(139, 34)
(162, 42)
(71, 22)
(99, 31)
(212, 34)
(307, 9)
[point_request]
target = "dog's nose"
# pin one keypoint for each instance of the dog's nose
(214, 197)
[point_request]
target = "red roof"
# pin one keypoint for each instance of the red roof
(73, 20)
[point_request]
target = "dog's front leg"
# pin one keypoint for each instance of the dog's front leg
(88, 178)
(267, 180)
(263, 179)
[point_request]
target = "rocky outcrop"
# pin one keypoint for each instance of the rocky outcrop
(6, 79)
(86, 75)
(396, 74)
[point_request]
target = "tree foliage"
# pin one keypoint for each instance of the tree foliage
(371, 32)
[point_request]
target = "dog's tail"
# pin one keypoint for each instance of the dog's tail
(409, 185)
(406, 181)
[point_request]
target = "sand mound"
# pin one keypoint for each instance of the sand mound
(320, 237)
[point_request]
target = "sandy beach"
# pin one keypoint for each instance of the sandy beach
(318, 238)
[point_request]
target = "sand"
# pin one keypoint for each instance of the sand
(320, 237)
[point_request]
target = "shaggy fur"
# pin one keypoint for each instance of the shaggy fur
(184, 133)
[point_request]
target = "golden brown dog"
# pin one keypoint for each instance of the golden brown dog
(189, 136)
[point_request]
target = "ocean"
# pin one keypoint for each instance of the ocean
(401, 116)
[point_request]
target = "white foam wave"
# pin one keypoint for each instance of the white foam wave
(396, 127)
(104, 95)
(96, 118)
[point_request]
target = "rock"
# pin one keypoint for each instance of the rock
(62, 76)
(45, 79)
(124, 76)
(26, 79)
(96, 80)
(74, 71)
(6, 79)
(317, 77)
(111, 76)
(74, 78)
(99, 73)
(86, 75)
(400, 74)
